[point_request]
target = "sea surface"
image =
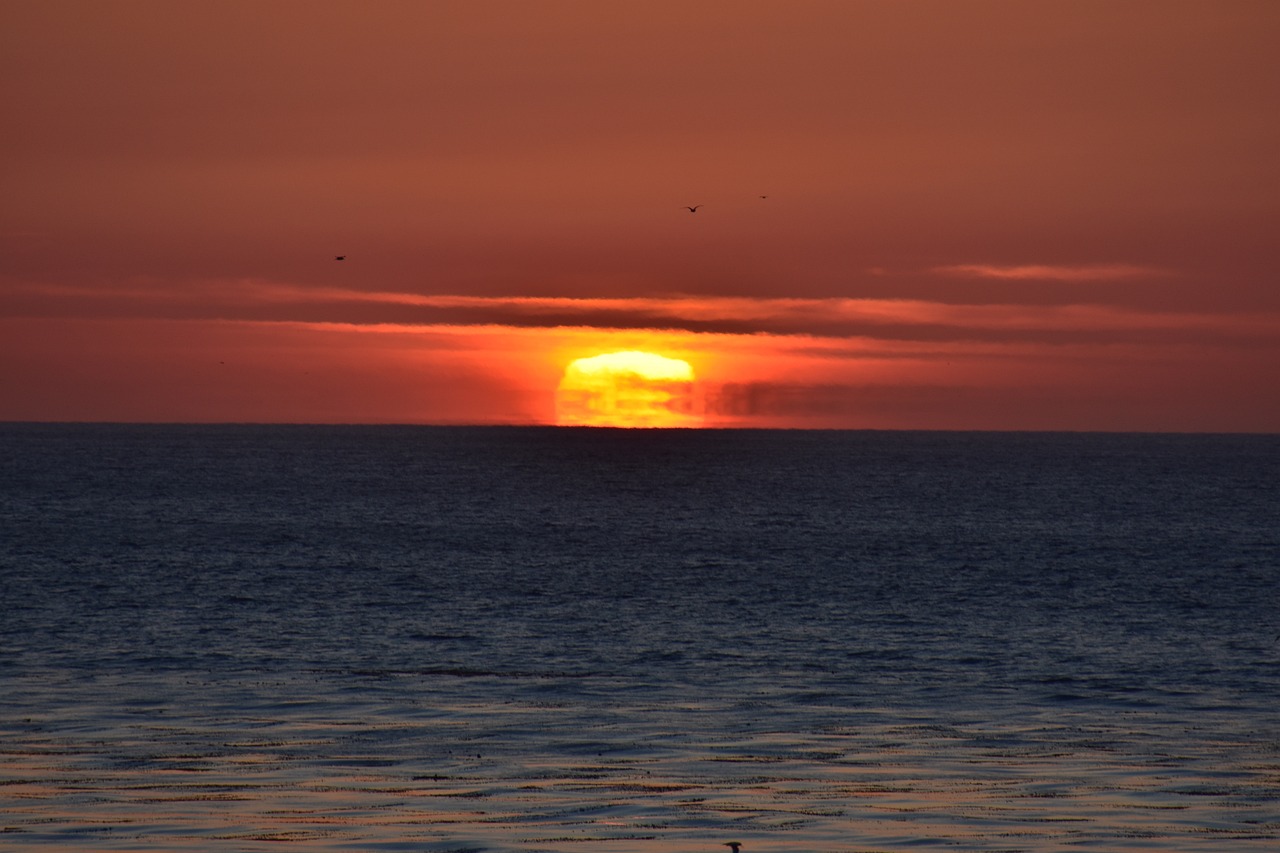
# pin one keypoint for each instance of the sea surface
(327, 638)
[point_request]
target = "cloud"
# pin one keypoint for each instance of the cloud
(1050, 272)
(837, 317)
(904, 319)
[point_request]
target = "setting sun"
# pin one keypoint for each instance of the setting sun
(627, 389)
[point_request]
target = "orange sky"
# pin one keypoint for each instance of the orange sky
(993, 215)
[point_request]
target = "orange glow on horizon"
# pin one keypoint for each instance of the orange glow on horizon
(165, 370)
(627, 389)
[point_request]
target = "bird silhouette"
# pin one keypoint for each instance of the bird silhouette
(693, 209)
(340, 258)
(733, 845)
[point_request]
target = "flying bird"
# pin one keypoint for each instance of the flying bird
(693, 209)
(340, 258)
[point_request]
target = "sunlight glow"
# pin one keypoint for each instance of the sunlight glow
(627, 389)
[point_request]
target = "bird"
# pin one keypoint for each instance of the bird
(340, 257)
(733, 845)
(764, 196)
(693, 209)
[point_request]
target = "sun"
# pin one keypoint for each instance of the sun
(627, 389)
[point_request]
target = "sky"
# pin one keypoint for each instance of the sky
(912, 214)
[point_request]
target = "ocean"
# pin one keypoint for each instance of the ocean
(349, 638)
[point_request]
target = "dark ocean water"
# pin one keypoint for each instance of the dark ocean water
(261, 638)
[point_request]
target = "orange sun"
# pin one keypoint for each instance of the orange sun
(627, 389)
